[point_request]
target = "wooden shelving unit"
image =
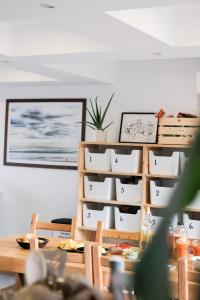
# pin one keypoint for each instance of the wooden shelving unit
(88, 233)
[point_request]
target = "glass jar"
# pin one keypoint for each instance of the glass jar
(179, 232)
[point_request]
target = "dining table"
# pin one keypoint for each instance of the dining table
(13, 257)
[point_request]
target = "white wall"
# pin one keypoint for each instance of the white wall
(140, 87)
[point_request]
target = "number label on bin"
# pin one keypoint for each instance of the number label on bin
(122, 190)
(90, 159)
(153, 222)
(116, 160)
(90, 187)
(88, 215)
(157, 193)
(155, 162)
(191, 226)
(121, 219)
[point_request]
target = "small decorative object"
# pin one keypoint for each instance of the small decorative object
(44, 133)
(138, 128)
(98, 118)
(160, 113)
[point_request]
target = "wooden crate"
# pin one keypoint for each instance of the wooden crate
(177, 131)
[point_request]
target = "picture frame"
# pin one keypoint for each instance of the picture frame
(44, 133)
(138, 127)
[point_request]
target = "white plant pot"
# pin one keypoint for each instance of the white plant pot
(99, 135)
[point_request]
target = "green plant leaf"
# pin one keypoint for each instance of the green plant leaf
(150, 281)
(106, 109)
(93, 107)
(107, 126)
(93, 118)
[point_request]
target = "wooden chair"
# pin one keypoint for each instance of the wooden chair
(114, 234)
(101, 267)
(76, 262)
(38, 225)
(186, 285)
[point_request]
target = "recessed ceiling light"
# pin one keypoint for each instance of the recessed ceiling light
(157, 53)
(46, 5)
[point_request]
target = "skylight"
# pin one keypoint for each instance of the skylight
(177, 25)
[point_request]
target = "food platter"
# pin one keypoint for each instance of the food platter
(70, 245)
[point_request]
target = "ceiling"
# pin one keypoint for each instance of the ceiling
(80, 42)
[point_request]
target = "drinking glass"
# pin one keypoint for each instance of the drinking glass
(196, 247)
(182, 246)
(55, 260)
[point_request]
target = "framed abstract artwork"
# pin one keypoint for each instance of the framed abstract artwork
(44, 133)
(138, 128)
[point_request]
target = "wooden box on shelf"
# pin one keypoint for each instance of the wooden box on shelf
(177, 131)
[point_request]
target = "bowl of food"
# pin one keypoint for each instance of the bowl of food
(119, 249)
(132, 254)
(24, 241)
(196, 262)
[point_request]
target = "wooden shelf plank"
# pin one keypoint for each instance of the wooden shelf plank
(88, 143)
(111, 202)
(155, 205)
(109, 173)
(161, 176)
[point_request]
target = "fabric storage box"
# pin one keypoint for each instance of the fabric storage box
(96, 159)
(129, 189)
(94, 212)
(127, 161)
(196, 202)
(98, 187)
(164, 162)
(127, 218)
(161, 191)
(192, 224)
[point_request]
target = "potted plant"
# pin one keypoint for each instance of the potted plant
(97, 119)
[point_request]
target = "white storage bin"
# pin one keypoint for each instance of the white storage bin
(97, 160)
(93, 212)
(183, 159)
(99, 188)
(196, 202)
(192, 224)
(127, 162)
(161, 191)
(129, 190)
(127, 218)
(157, 215)
(164, 162)
(156, 218)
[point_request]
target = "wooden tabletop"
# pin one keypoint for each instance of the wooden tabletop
(13, 257)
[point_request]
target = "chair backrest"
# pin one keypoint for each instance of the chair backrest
(102, 269)
(114, 234)
(35, 225)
